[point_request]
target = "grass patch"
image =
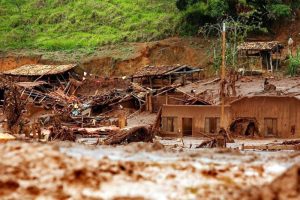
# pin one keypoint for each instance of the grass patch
(68, 25)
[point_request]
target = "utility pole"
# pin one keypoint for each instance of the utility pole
(223, 74)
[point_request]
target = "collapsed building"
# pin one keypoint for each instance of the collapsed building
(49, 73)
(260, 55)
(264, 116)
(160, 76)
(185, 104)
(254, 112)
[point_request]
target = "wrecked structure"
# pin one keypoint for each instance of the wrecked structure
(160, 76)
(49, 73)
(262, 116)
(260, 55)
(54, 96)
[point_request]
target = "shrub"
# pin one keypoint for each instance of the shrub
(294, 63)
(279, 11)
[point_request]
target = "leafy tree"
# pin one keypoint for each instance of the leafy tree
(261, 13)
(236, 32)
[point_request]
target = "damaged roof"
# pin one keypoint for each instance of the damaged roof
(39, 70)
(163, 70)
(245, 86)
(31, 84)
(263, 97)
(271, 45)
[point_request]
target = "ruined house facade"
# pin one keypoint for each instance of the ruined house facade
(264, 116)
(160, 76)
(263, 55)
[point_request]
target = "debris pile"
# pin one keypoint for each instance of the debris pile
(56, 101)
(128, 135)
(59, 132)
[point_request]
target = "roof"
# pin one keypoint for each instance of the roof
(39, 70)
(272, 45)
(264, 97)
(30, 84)
(209, 89)
(162, 70)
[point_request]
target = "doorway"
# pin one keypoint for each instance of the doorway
(212, 125)
(187, 126)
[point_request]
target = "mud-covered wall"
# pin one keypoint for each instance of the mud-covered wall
(172, 99)
(285, 109)
(197, 113)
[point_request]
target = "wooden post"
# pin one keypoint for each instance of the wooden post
(223, 72)
(150, 80)
(150, 103)
(147, 102)
(277, 59)
(271, 64)
(261, 61)
(166, 98)
(122, 120)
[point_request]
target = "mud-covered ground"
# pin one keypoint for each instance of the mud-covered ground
(141, 171)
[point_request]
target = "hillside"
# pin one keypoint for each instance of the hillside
(83, 24)
(117, 37)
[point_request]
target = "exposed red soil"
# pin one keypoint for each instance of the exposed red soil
(8, 62)
(170, 51)
(165, 52)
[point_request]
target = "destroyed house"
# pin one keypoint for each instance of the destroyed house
(160, 76)
(38, 82)
(261, 116)
(175, 98)
(49, 73)
(260, 55)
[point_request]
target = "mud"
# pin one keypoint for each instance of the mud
(8, 62)
(138, 171)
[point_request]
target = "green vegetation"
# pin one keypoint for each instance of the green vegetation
(242, 17)
(83, 24)
(294, 63)
(261, 13)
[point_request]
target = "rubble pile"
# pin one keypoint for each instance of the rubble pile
(60, 106)
(128, 135)
(55, 103)
(59, 132)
